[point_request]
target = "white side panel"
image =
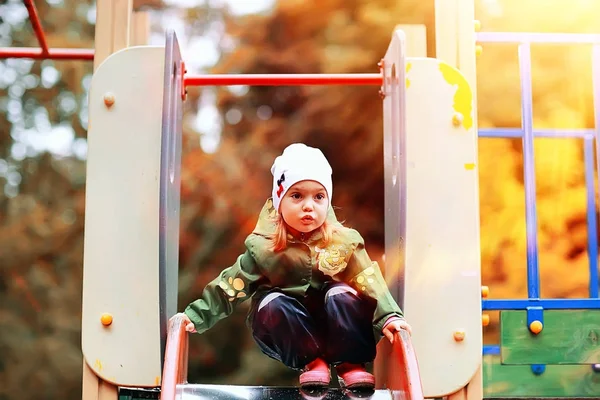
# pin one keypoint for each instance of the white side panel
(122, 219)
(442, 251)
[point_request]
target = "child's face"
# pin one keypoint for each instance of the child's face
(304, 206)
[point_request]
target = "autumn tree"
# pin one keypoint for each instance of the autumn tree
(224, 185)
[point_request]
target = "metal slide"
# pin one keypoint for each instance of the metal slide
(396, 371)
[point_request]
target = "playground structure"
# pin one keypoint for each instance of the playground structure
(430, 125)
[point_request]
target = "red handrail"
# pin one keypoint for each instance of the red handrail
(176, 358)
(397, 368)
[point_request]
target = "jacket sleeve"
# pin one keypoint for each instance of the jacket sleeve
(365, 276)
(219, 298)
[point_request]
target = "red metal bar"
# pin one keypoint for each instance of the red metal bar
(37, 25)
(55, 54)
(282, 79)
(176, 361)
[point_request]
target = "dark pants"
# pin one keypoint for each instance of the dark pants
(334, 324)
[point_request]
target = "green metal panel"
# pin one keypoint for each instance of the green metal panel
(556, 381)
(568, 337)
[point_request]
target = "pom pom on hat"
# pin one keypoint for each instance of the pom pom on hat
(300, 162)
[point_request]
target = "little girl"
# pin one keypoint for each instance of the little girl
(317, 298)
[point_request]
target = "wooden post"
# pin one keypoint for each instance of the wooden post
(122, 10)
(140, 29)
(455, 37)
(446, 31)
(95, 388)
(467, 62)
(455, 44)
(113, 26)
(113, 20)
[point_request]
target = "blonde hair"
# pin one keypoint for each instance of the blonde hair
(279, 238)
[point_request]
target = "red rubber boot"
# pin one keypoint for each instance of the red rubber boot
(355, 376)
(316, 373)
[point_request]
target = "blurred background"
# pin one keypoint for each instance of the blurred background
(231, 136)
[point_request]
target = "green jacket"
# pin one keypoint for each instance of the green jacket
(292, 271)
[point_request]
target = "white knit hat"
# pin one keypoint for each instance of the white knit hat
(300, 162)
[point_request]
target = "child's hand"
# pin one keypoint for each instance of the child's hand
(189, 325)
(394, 326)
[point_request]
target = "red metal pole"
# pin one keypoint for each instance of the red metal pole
(37, 25)
(55, 54)
(282, 79)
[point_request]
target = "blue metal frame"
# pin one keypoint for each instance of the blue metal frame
(547, 304)
(590, 138)
(533, 276)
(490, 349)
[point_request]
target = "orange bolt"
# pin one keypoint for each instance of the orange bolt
(485, 319)
(536, 327)
(485, 292)
(109, 99)
(459, 336)
(106, 319)
(457, 119)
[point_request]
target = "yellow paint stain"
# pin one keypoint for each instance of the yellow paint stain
(463, 97)
(469, 166)
(408, 67)
(98, 365)
(157, 381)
